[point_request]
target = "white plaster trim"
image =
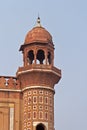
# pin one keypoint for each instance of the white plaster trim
(43, 70)
(42, 87)
(11, 118)
(10, 90)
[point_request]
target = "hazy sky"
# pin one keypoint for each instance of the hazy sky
(66, 20)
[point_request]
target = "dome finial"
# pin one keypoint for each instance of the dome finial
(38, 24)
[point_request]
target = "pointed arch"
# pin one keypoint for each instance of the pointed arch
(40, 127)
(30, 57)
(40, 56)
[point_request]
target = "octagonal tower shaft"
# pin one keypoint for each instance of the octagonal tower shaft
(38, 77)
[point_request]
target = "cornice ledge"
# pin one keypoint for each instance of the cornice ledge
(42, 87)
(41, 70)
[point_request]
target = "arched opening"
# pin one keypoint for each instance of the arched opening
(30, 56)
(40, 127)
(40, 56)
(49, 58)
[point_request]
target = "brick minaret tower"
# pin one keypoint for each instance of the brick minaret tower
(37, 79)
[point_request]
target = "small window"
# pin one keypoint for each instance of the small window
(46, 115)
(25, 101)
(46, 100)
(29, 92)
(46, 93)
(29, 115)
(40, 115)
(40, 107)
(40, 99)
(41, 92)
(35, 92)
(35, 99)
(29, 108)
(50, 101)
(34, 115)
(29, 100)
(46, 107)
(28, 124)
(34, 107)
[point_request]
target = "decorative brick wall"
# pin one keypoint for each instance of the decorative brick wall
(38, 107)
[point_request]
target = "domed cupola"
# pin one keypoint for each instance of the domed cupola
(38, 46)
(38, 34)
(38, 58)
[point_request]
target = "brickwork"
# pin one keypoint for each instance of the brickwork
(38, 106)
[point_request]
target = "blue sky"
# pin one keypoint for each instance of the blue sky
(66, 20)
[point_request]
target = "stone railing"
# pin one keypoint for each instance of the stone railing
(7, 82)
(39, 66)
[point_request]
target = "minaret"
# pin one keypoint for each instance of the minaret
(38, 77)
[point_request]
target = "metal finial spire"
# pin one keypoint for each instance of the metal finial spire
(38, 24)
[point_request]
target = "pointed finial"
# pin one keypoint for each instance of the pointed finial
(38, 24)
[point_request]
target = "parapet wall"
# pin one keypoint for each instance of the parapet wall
(7, 82)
